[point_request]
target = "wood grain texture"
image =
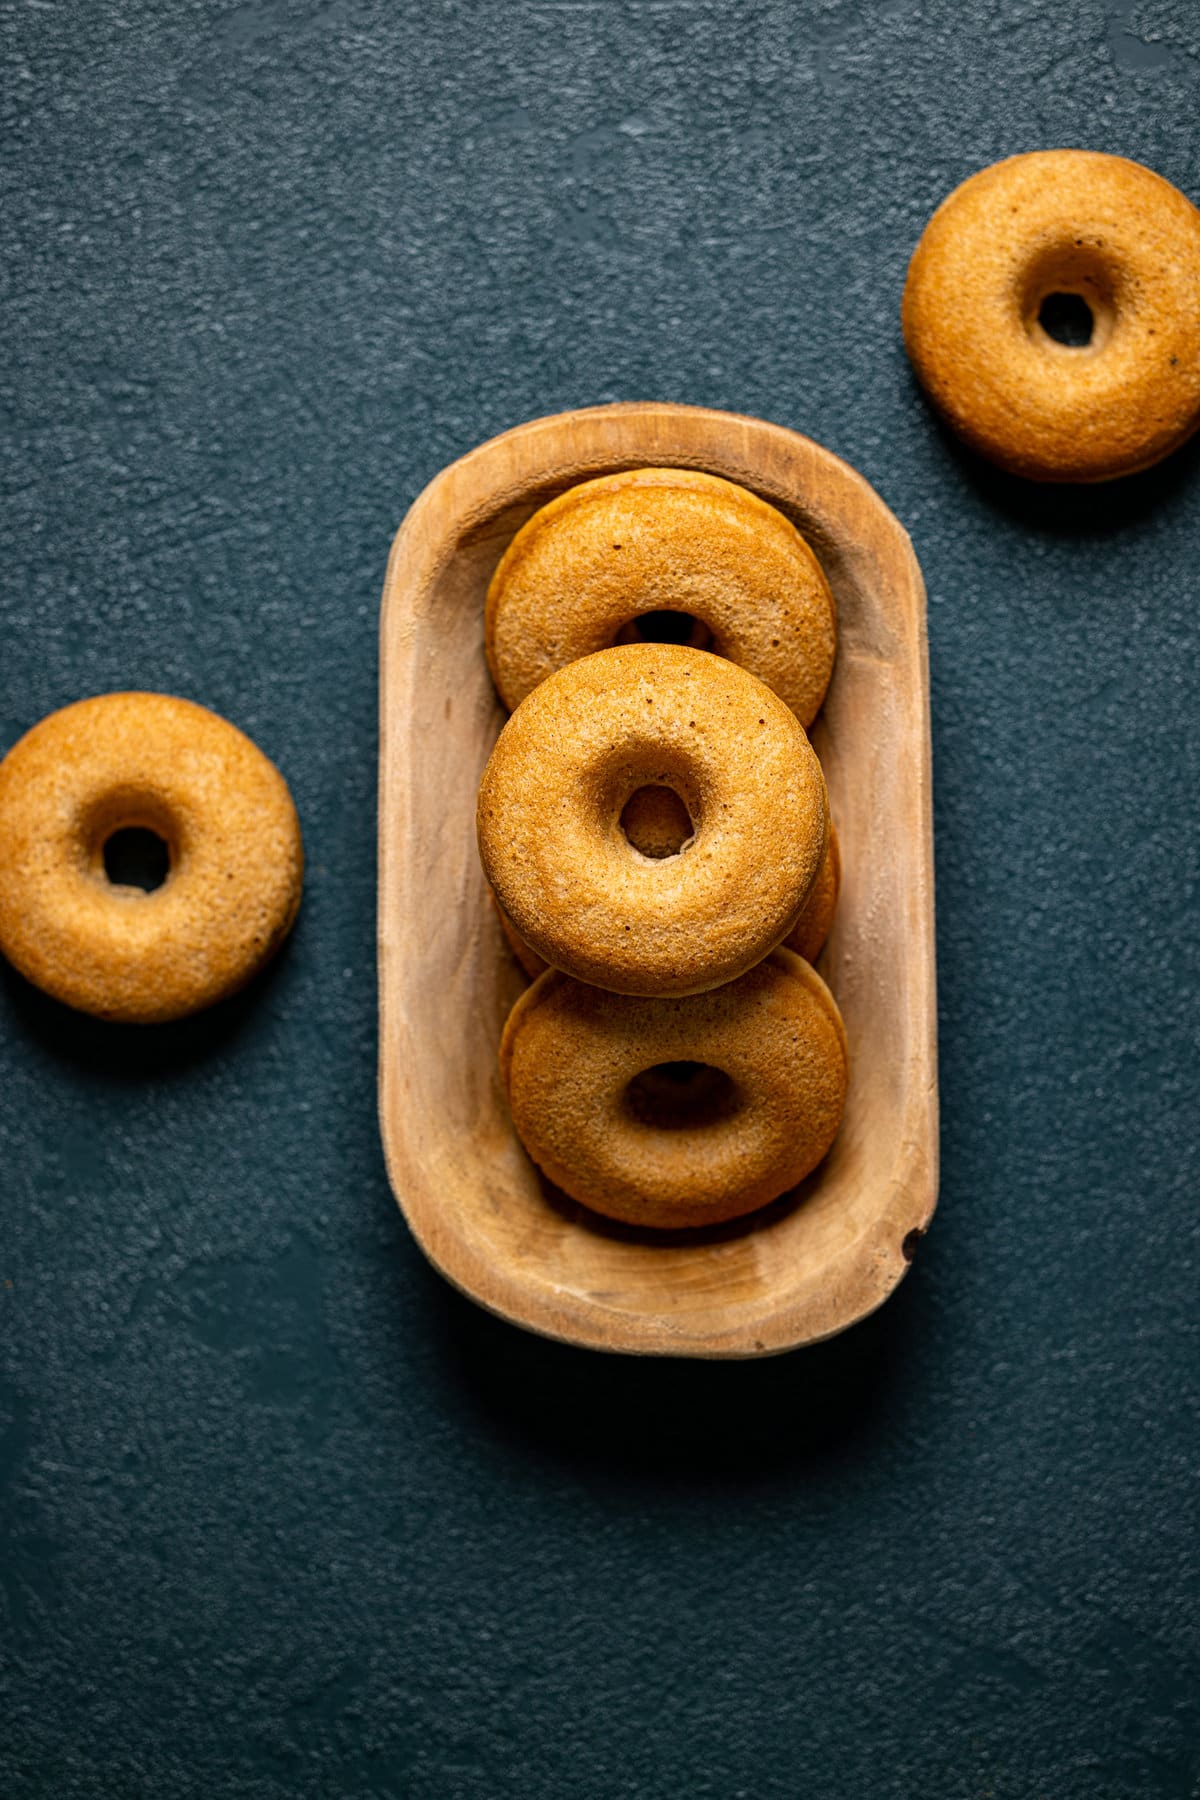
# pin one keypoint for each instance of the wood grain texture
(819, 1259)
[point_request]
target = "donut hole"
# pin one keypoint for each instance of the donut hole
(1068, 319)
(130, 839)
(666, 626)
(681, 1096)
(656, 821)
(136, 857)
(1069, 299)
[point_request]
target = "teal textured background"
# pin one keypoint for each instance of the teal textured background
(282, 1515)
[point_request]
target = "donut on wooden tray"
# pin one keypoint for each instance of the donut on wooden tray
(662, 555)
(681, 1112)
(562, 772)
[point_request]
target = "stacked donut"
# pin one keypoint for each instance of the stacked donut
(655, 827)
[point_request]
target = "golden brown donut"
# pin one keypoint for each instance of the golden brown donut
(656, 826)
(662, 554)
(233, 840)
(552, 796)
(808, 934)
(678, 1112)
(1061, 222)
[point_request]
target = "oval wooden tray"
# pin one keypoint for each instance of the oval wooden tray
(818, 1259)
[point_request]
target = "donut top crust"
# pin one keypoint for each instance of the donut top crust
(591, 562)
(561, 865)
(653, 827)
(225, 812)
(1061, 221)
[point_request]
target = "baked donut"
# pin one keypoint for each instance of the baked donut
(808, 934)
(657, 555)
(561, 773)
(1045, 234)
(649, 829)
(232, 839)
(678, 1112)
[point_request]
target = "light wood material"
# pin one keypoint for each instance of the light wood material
(817, 1260)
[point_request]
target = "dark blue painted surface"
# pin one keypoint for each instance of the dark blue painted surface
(282, 1514)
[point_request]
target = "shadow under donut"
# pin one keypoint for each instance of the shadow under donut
(1068, 509)
(724, 1233)
(121, 1053)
